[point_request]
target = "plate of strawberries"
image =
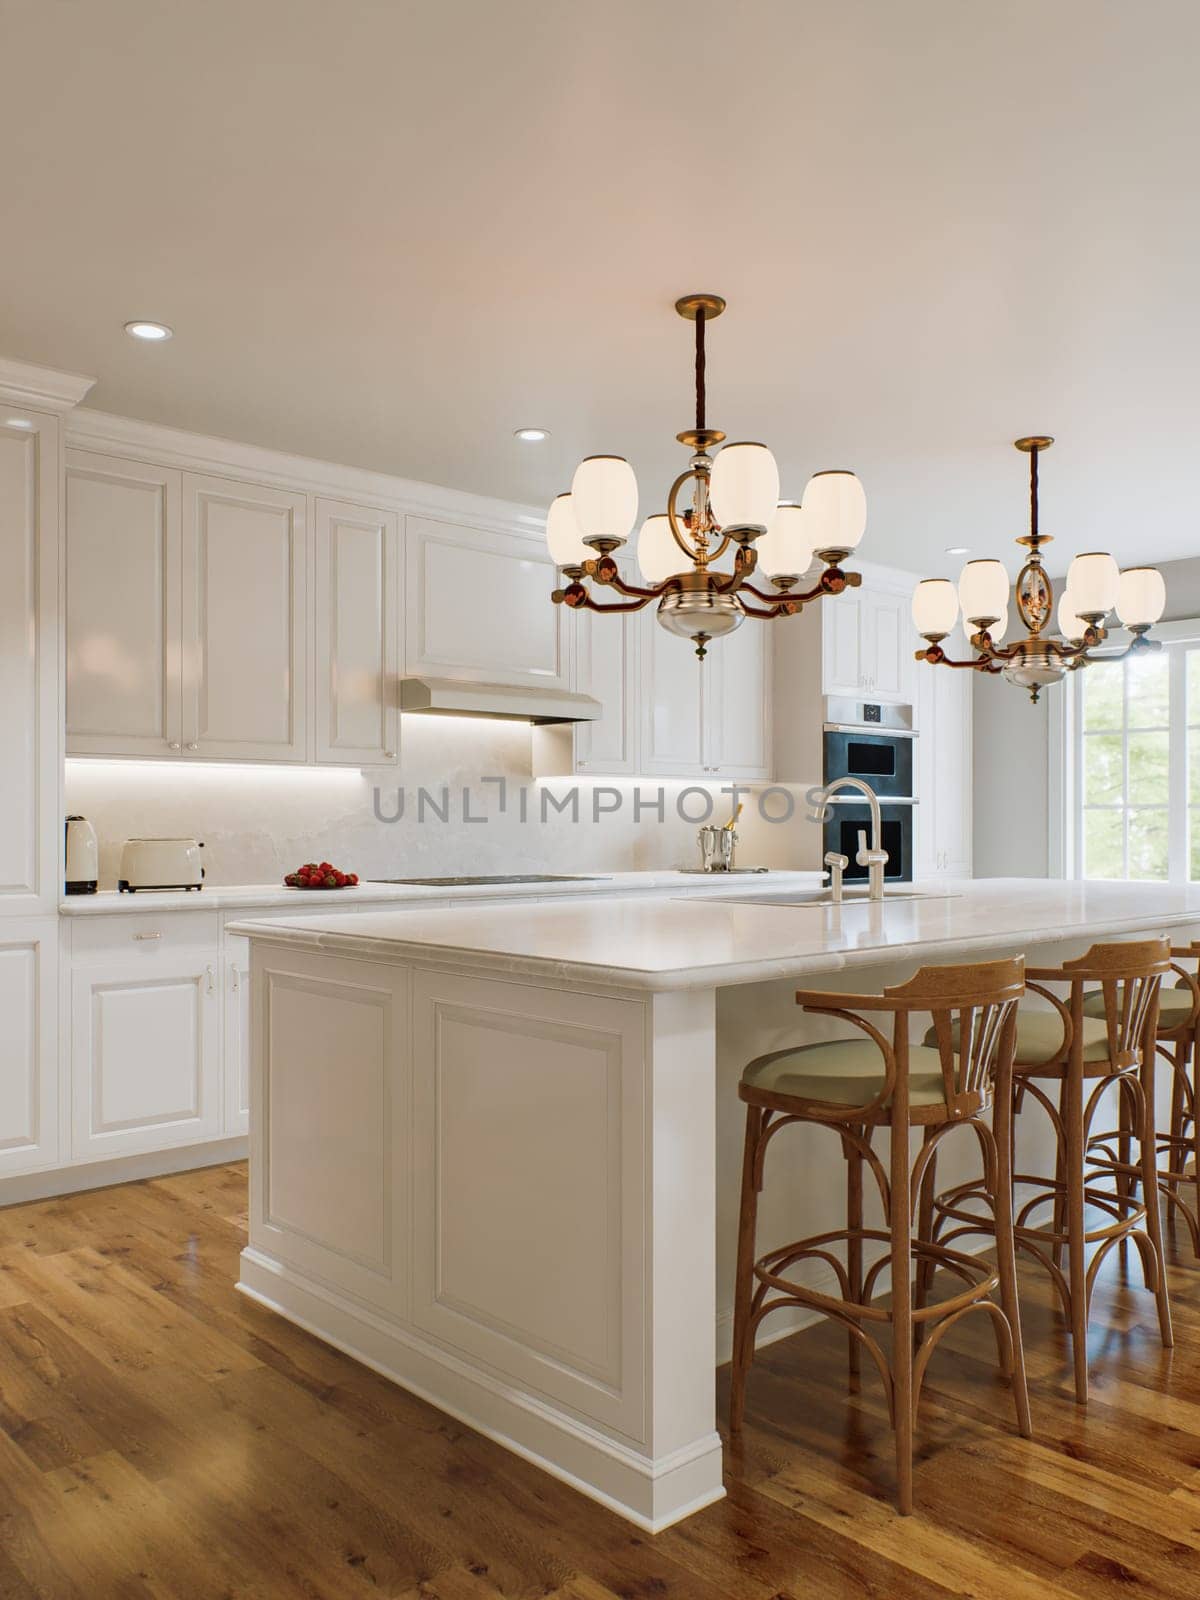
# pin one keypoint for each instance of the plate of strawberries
(321, 875)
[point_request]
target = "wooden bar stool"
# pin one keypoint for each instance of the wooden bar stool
(1178, 1148)
(1085, 1056)
(854, 1086)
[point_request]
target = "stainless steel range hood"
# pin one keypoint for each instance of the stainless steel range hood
(450, 697)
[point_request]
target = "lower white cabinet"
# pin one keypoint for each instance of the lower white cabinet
(29, 1134)
(235, 994)
(145, 1034)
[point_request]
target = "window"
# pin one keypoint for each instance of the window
(1131, 734)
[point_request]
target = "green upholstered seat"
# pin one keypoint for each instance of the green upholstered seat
(1174, 1006)
(844, 1072)
(1040, 1036)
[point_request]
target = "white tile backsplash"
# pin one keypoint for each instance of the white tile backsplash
(259, 822)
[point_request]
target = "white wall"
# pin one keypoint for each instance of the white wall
(259, 822)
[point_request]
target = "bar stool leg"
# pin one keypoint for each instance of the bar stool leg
(854, 1249)
(902, 1322)
(744, 1280)
(1178, 1056)
(1126, 1120)
(1153, 1198)
(1076, 1228)
(1060, 1169)
(925, 1233)
(1006, 1254)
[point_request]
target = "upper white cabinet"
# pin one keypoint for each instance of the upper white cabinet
(868, 644)
(187, 622)
(737, 702)
(477, 606)
(944, 752)
(673, 740)
(244, 620)
(124, 558)
(357, 635)
(606, 657)
(29, 710)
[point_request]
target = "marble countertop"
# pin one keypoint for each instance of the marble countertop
(664, 942)
(252, 896)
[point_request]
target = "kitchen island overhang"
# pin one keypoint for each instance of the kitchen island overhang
(506, 1177)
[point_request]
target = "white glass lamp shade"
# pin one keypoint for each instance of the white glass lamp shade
(743, 486)
(835, 504)
(1141, 596)
(1092, 579)
(934, 606)
(786, 549)
(1070, 624)
(983, 590)
(658, 556)
(567, 548)
(605, 496)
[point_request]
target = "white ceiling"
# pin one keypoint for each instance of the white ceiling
(390, 233)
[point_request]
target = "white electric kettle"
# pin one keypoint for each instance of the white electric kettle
(82, 857)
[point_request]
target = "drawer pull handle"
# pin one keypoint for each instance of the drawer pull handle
(147, 936)
(237, 980)
(209, 975)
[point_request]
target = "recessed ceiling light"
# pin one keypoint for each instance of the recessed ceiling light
(19, 422)
(958, 549)
(531, 435)
(151, 331)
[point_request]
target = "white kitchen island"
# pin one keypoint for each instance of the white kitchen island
(494, 1152)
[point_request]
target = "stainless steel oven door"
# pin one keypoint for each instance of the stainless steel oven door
(847, 820)
(884, 760)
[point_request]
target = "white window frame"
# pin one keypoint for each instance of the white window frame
(1065, 734)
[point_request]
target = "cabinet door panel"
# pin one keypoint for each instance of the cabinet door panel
(236, 1063)
(357, 635)
(841, 618)
(28, 1045)
(605, 667)
(887, 645)
(478, 606)
(672, 711)
(145, 1057)
(737, 703)
(123, 552)
(29, 713)
(245, 578)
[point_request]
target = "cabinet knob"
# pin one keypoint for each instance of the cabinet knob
(192, 746)
(172, 744)
(389, 755)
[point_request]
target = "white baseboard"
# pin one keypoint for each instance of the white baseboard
(652, 1493)
(128, 1169)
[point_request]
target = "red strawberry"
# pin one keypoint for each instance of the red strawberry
(352, 878)
(331, 881)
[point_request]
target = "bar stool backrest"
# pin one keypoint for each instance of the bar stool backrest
(974, 1011)
(1130, 974)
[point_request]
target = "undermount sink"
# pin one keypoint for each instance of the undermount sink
(824, 897)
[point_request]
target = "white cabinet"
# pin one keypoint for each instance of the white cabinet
(606, 654)
(868, 644)
(235, 995)
(186, 621)
(30, 824)
(671, 681)
(477, 606)
(357, 635)
(145, 1034)
(943, 820)
(29, 1134)
(737, 703)
(124, 553)
(244, 620)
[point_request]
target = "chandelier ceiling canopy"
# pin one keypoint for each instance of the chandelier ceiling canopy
(725, 500)
(1095, 587)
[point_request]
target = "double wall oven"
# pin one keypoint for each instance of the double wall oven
(874, 742)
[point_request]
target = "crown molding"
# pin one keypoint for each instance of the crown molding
(41, 388)
(106, 434)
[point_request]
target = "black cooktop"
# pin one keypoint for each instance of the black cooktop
(516, 877)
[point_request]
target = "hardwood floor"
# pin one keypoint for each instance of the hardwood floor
(160, 1437)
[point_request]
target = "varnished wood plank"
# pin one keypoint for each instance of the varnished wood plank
(161, 1436)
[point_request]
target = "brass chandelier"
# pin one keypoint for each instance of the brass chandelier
(734, 501)
(1095, 587)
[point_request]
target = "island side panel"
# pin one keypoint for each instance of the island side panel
(501, 1194)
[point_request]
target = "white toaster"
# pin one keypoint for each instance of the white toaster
(160, 864)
